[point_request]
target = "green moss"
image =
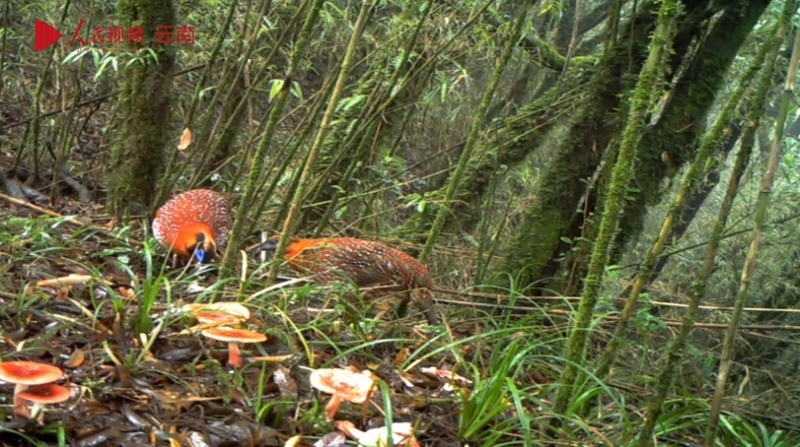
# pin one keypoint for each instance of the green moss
(138, 155)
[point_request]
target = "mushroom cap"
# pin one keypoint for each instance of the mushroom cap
(235, 310)
(351, 386)
(29, 373)
(213, 317)
(46, 394)
(232, 335)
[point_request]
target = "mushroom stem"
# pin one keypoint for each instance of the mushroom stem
(234, 355)
(20, 405)
(332, 407)
(37, 409)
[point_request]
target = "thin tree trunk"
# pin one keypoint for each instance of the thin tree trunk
(675, 353)
(472, 140)
(764, 196)
(139, 155)
(299, 193)
(620, 177)
(254, 176)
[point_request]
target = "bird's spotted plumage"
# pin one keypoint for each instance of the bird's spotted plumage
(380, 269)
(193, 223)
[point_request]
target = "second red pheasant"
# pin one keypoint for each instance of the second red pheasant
(194, 223)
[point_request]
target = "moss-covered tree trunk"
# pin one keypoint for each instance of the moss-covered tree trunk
(563, 183)
(759, 225)
(622, 173)
(710, 142)
(516, 138)
(755, 111)
(676, 135)
(139, 153)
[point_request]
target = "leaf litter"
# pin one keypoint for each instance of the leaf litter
(80, 298)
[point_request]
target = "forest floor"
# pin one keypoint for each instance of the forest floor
(139, 377)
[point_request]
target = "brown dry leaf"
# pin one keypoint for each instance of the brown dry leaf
(70, 280)
(272, 358)
(186, 139)
(197, 439)
(63, 293)
(446, 376)
(286, 384)
(75, 359)
(126, 292)
(401, 357)
(173, 400)
(172, 441)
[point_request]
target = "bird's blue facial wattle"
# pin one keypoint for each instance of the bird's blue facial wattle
(204, 250)
(200, 254)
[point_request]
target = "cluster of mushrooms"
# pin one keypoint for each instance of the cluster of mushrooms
(34, 383)
(218, 317)
(356, 387)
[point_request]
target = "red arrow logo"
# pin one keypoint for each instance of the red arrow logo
(44, 35)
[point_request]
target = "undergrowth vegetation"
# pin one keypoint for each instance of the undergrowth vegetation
(602, 191)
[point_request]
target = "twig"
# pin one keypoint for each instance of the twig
(38, 209)
(499, 296)
(69, 219)
(88, 101)
(666, 322)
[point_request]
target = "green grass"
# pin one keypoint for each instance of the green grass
(135, 355)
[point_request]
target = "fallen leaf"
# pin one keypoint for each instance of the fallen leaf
(186, 139)
(293, 441)
(332, 439)
(126, 292)
(272, 358)
(75, 359)
(197, 439)
(446, 376)
(70, 280)
(402, 434)
(173, 400)
(286, 384)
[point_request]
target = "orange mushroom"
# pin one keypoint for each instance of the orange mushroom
(42, 395)
(234, 311)
(24, 374)
(343, 385)
(234, 337)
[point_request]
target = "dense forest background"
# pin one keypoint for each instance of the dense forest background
(604, 191)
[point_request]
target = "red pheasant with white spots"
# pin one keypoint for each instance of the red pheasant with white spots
(194, 223)
(369, 264)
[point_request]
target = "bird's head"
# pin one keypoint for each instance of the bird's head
(272, 243)
(199, 242)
